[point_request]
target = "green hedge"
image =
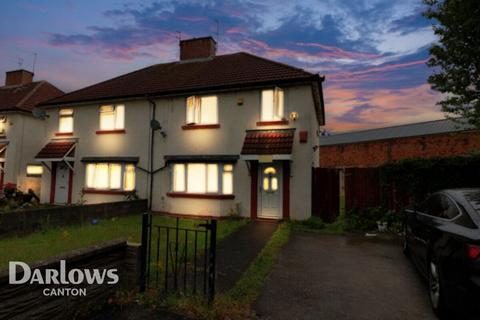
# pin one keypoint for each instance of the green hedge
(417, 178)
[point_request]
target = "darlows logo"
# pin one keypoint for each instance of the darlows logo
(61, 277)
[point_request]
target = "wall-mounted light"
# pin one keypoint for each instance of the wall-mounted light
(239, 101)
(293, 116)
(34, 170)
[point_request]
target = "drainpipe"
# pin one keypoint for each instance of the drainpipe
(150, 160)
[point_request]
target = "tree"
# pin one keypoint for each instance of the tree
(455, 58)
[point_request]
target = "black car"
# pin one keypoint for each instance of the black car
(442, 236)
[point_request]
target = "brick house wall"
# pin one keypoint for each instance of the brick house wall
(376, 153)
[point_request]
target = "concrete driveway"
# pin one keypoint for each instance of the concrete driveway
(335, 277)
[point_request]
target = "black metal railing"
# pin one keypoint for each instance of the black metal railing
(177, 259)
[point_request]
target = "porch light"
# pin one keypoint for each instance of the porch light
(34, 170)
(293, 116)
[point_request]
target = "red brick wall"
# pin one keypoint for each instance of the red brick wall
(376, 153)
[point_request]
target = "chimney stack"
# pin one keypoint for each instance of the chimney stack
(18, 77)
(197, 48)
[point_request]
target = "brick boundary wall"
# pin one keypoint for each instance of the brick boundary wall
(26, 301)
(30, 220)
(376, 153)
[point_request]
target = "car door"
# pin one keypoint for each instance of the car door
(424, 222)
(440, 211)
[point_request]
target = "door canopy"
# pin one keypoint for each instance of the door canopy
(268, 142)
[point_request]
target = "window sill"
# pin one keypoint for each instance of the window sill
(108, 192)
(200, 196)
(200, 126)
(118, 131)
(63, 134)
(272, 123)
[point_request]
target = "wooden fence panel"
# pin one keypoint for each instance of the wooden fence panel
(362, 188)
(325, 194)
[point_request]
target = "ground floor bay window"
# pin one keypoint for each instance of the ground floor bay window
(104, 176)
(213, 180)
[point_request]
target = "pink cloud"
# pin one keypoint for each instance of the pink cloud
(386, 106)
(338, 52)
(193, 18)
(364, 74)
(262, 48)
(236, 30)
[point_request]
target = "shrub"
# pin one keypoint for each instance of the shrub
(366, 220)
(312, 223)
(14, 198)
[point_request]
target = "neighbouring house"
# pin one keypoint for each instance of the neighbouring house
(206, 135)
(375, 147)
(20, 131)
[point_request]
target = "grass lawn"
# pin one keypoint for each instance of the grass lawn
(316, 225)
(51, 242)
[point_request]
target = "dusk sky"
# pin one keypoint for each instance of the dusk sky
(372, 52)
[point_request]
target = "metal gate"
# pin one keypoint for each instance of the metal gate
(177, 259)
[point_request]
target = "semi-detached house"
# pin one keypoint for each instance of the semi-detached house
(206, 135)
(20, 131)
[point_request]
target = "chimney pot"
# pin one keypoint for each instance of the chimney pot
(197, 48)
(18, 77)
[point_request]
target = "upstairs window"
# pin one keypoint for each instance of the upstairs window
(110, 176)
(65, 120)
(202, 178)
(112, 117)
(272, 105)
(202, 110)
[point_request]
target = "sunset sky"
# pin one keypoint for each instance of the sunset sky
(372, 52)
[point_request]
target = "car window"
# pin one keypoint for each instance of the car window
(449, 210)
(432, 206)
(473, 197)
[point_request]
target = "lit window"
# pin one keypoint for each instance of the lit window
(196, 178)
(3, 124)
(178, 177)
(202, 178)
(34, 170)
(212, 178)
(202, 110)
(227, 179)
(110, 176)
(272, 105)
(112, 117)
(270, 180)
(65, 120)
(129, 178)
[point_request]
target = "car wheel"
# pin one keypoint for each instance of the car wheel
(436, 289)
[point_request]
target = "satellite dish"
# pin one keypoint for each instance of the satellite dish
(155, 125)
(39, 113)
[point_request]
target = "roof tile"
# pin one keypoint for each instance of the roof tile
(231, 70)
(26, 97)
(268, 142)
(55, 149)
